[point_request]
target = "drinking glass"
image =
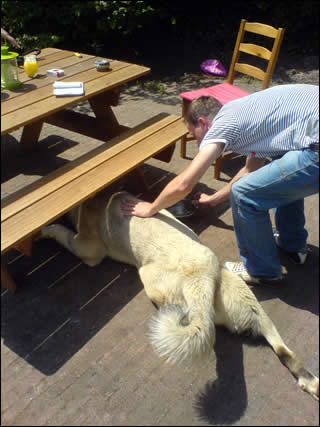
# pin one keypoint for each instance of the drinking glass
(31, 65)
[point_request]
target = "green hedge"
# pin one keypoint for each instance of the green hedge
(144, 27)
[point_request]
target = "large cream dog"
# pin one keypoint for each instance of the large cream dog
(180, 275)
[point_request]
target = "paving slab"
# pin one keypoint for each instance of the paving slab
(74, 344)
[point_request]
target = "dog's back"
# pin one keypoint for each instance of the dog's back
(180, 275)
(161, 239)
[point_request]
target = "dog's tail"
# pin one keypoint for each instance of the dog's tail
(180, 334)
(306, 380)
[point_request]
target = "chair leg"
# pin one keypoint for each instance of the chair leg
(183, 148)
(217, 167)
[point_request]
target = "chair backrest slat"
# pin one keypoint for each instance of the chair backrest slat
(250, 70)
(263, 29)
(256, 50)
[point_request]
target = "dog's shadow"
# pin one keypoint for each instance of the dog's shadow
(225, 400)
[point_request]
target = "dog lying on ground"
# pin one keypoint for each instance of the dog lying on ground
(181, 276)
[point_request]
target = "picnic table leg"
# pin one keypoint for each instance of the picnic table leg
(6, 280)
(30, 135)
(101, 106)
(103, 126)
(110, 97)
(137, 181)
(166, 154)
(24, 247)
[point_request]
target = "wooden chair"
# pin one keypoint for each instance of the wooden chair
(226, 91)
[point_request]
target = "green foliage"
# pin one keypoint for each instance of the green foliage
(68, 23)
(155, 86)
(146, 26)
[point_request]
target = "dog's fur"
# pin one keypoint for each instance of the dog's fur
(180, 275)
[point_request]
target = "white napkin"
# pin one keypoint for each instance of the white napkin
(68, 88)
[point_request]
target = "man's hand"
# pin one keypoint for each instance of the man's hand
(203, 200)
(136, 208)
(7, 36)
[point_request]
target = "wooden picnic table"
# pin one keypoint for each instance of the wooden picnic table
(33, 103)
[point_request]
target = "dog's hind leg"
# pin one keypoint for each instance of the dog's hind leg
(238, 309)
(90, 251)
(150, 282)
(306, 380)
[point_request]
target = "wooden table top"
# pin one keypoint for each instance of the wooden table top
(34, 99)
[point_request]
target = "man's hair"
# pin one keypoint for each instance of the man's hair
(203, 106)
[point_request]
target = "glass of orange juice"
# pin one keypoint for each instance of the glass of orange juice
(31, 65)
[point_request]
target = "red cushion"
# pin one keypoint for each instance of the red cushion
(223, 92)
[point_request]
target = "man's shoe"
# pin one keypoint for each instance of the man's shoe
(239, 269)
(296, 257)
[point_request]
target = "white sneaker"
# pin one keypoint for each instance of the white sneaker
(297, 257)
(239, 269)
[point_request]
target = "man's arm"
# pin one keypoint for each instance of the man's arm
(179, 187)
(252, 164)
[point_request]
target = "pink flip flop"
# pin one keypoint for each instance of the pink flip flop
(213, 66)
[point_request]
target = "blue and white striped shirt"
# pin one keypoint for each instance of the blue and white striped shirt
(268, 123)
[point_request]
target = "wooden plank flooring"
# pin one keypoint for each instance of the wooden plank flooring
(74, 344)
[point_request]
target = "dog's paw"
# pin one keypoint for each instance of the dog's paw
(310, 386)
(47, 232)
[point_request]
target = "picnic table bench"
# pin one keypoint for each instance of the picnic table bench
(25, 212)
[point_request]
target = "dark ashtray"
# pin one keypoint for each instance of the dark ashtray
(102, 64)
(182, 209)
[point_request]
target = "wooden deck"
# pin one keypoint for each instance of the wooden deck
(74, 346)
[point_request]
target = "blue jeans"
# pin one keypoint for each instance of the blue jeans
(281, 185)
